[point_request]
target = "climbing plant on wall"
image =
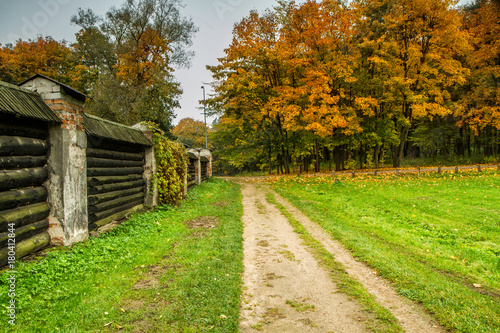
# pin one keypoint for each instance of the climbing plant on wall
(171, 167)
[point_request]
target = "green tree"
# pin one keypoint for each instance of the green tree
(133, 51)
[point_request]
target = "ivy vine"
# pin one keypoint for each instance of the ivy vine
(171, 168)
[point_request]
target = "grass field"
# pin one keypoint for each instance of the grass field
(172, 270)
(436, 237)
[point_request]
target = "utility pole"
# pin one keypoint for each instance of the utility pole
(205, 116)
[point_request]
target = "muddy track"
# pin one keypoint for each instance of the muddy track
(285, 288)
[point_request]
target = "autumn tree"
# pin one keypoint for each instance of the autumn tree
(134, 50)
(316, 98)
(480, 107)
(245, 80)
(323, 80)
(44, 56)
(192, 133)
(420, 42)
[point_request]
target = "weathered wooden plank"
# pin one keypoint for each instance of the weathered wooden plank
(16, 179)
(95, 181)
(97, 172)
(26, 247)
(23, 197)
(118, 202)
(25, 232)
(21, 146)
(21, 162)
(93, 162)
(115, 217)
(24, 215)
(191, 183)
(114, 155)
(106, 144)
(100, 198)
(115, 187)
(93, 218)
(24, 127)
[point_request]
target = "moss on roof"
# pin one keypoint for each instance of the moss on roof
(110, 130)
(22, 102)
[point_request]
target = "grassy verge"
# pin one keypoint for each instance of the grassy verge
(171, 270)
(436, 237)
(383, 320)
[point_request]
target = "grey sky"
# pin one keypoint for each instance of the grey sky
(215, 18)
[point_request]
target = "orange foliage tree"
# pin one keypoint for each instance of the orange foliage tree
(192, 133)
(481, 104)
(44, 56)
(326, 80)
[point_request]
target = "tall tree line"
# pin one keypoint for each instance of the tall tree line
(123, 61)
(359, 83)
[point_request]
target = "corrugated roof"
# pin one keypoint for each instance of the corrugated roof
(22, 102)
(110, 130)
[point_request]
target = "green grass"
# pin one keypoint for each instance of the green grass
(300, 307)
(153, 273)
(436, 237)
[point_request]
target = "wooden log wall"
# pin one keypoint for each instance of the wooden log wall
(191, 173)
(23, 198)
(114, 180)
(204, 167)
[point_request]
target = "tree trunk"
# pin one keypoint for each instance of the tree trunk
(338, 164)
(269, 155)
(400, 150)
(376, 155)
(316, 164)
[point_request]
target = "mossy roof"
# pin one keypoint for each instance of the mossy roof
(25, 103)
(110, 130)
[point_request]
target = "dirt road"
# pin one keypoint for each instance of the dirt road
(286, 290)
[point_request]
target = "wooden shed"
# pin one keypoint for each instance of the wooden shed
(24, 148)
(115, 170)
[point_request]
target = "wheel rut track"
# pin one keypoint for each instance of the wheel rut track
(285, 288)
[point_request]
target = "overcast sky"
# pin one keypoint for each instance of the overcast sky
(215, 19)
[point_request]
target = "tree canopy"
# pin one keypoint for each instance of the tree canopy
(364, 80)
(191, 132)
(123, 61)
